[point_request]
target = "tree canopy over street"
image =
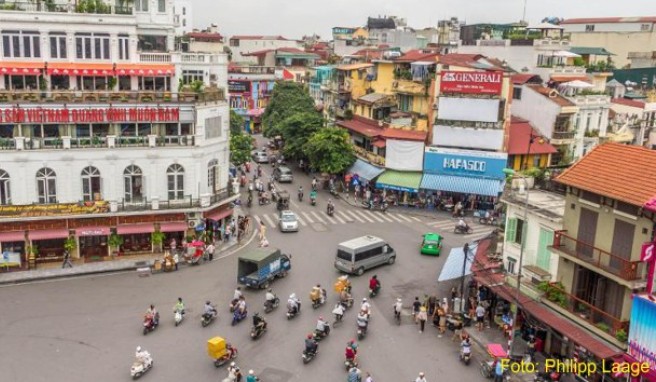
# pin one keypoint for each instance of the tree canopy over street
(288, 99)
(329, 150)
(296, 131)
(236, 122)
(240, 148)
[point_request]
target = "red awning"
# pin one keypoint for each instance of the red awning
(216, 216)
(21, 68)
(173, 227)
(92, 231)
(12, 236)
(48, 234)
(150, 70)
(135, 228)
(69, 69)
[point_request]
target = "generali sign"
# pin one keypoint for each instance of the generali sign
(471, 82)
(89, 115)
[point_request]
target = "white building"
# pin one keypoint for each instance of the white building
(183, 17)
(97, 139)
(543, 218)
(242, 45)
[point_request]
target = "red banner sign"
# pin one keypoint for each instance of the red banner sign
(471, 82)
(89, 115)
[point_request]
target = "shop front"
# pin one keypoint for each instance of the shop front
(400, 187)
(362, 172)
(474, 178)
(173, 231)
(93, 242)
(12, 247)
(48, 245)
(215, 222)
(137, 238)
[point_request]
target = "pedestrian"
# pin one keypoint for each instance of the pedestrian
(210, 250)
(445, 306)
(227, 233)
(262, 231)
(421, 378)
(173, 245)
(431, 305)
(422, 317)
(67, 260)
(415, 308)
(176, 259)
(442, 323)
(480, 317)
(368, 379)
(454, 294)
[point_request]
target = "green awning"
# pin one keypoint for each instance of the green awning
(400, 180)
(584, 50)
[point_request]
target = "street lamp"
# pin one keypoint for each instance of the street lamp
(508, 171)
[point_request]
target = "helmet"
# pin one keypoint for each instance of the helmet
(318, 285)
(232, 364)
(421, 374)
(180, 299)
(270, 290)
(207, 302)
(375, 277)
(321, 318)
(398, 299)
(238, 288)
(251, 372)
(351, 342)
(152, 306)
(364, 299)
(138, 348)
(292, 296)
(310, 336)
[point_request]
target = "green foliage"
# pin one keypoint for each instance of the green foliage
(535, 172)
(157, 238)
(603, 326)
(296, 131)
(115, 240)
(70, 244)
(32, 250)
(236, 122)
(621, 335)
(43, 83)
(92, 6)
(601, 66)
(348, 114)
(197, 86)
(288, 98)
(554, 292)
(578, 61)
(329, 150)
(240, 148)
(111, 83)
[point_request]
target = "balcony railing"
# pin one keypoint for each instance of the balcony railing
(252, 70)
(75, 96)
(155, 57)
(369, 156)
(99, 7)
(563, 134)
(469, 124)
(585, 311)
(613, 264)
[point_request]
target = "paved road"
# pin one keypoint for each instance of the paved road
(87, 329)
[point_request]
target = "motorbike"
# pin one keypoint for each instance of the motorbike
(462, 230)
(257, 331)
(238, 316)
(270, 306)
(309, 356)
(149, 325)
(319, 335)
(140, 367)
(362, 332)
(300, 196)
(333, 191)
(178, 316)
(397, 317)
(313, 201)
(330, 211)
(317, 303)
(350, 363)
(233, 305)
(374, 292)
(491, 221)
(249, 203)
(291, 313)
(465, 357)
(207, 318)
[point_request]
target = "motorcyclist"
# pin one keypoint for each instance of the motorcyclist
(465, 347)
(251, 377)
(234, 373)
(152, 314)
(258, 322)
(311, 345)
(349, 352)
(209, 310)
(300, 192)
(313, 195)
(363, 320)
(179, 306)
(398, 306)
(237, 294)
(141, 355)
(317, 294)
(314, 183)
(462, 225)
(339, 311)
(269, 298)
(250, 200)
(421, 378)
(365, 306)
(354, 375)
(331, 207)
(322, 326)
(374, 284)
(293, 304)
(241, 305)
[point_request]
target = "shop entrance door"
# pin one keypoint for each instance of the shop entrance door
(93, 247)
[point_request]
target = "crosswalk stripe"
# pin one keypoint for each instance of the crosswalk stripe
(477, 236)
(385, 217)
(339, 219)
(317, 217)
(404, 217)
(268, 219)
(301, 221)
(373, 216)
(356, 217)
(347, 218)
(396, 218)
(308, 217)
(415, 218)
(330, 219)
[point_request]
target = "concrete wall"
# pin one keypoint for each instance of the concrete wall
(537, 109)
(188, 16)
(517, 57)
(254, 45)
(618, 43)
(384, 78)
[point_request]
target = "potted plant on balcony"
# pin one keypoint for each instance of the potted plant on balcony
(554, 292)
(115, 242)
(157, 238)
(620, 335)
(603, 327)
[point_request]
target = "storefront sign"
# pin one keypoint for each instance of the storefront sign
(54, 209)
(471, 82)
(239, 87)
(642, 331)
(441, 161)
(89, 115)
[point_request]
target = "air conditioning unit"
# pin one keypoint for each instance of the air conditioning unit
(194, 219)
(193, 223)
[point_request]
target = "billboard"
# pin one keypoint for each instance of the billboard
(642, 331)
(481, 164)
(479, 82)
(239, 87)
(469, 109)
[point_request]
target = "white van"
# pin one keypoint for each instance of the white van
(360, 254)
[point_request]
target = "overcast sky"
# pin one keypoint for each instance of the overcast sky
(295, 18)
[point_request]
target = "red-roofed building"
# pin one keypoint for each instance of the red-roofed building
(241, 46)
(632, 121)
(527, 148)
(285, 57)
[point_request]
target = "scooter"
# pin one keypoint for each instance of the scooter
(150, 324)
(178, 316)
(465, 357)
(207, 318)
(374, 292)
(318, 302)
(233, 305)
(140, 367)
(270, 306)
(309, 356)
(489, 221)
(291, 313)
(238, 316)
(350, 363)
(330, 211)
(257, 331)
(462, 230)
(230, 355)
(362, 332)
(300, 196)
(313, 201)
(319, 335)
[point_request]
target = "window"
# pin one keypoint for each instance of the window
(92, 46)
(405, 102)
(212, 127)
(46, 181)
(341, 254)
(184, 10)
(517, 93)
(17, 44)
(123, 47)
(627, 208)
(154, 83)
(213, 175)
(359, 256)
(90, 184)
(645, 27)
(20, 82)
(152, 43)
(175, 177)
(591, 197)
(189, 76)
(57, 46)
(234, 42)
(184, 22)
(161, 6)
(511, 265)
(589, 28)
(515, 230)
(5, 191)
(141, 5)
(133, 184)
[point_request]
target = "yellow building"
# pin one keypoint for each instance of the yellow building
(360, 33)
(348, 82)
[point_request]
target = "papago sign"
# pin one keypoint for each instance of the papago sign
(471, 82)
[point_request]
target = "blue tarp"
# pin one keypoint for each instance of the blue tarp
(462, 184)
(365, 170)
(452, 268)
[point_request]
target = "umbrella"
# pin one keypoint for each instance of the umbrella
(564, 53)
(577, 84)
(197, 243)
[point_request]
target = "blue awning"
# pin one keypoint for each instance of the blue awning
(452, 268)
(462, 184)
(365, 170)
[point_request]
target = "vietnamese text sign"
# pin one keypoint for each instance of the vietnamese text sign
(89, 115)
(54, 209)
(471, 82)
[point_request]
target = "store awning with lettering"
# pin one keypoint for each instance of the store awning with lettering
(148, 70)
(135, 228)
(49, 234)
(407, 181)
(80, 69)
(21, 68)
(462, 184)
(92, 231)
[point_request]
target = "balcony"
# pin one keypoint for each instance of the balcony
(563, 135)
(411, 87)
(590, 99)
(557, 298)
(75, 96)
(80, 6)
(578, 251)
(252, 70)
(564, 70)
(161, 58)
(369, 156)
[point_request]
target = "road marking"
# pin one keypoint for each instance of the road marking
(477, 236)
(355, 216)
(330, 219)
(404, 218)
(271, 223)
(384, 217)
(395, 218)
(301, 221)
(318, 217)
(373, 216)
(339, 219)
(415, 218)
(307, 216)
(363, 215)
(346, 217)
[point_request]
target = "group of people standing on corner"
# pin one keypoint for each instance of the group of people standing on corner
(433, 307)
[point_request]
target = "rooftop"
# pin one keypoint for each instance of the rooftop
(474, 61)
(419, 55)
(519, 137)
(547, 205)
(583, 50)
(376, 129)
(610, 20)
(628, 102)
(621, 172)
(258, 37)
(521, 79)
(552, 95)
(354, 66)
(205, 36)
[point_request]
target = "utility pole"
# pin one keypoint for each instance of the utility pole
(465, 249)
(524, 13)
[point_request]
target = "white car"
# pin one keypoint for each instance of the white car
(288, 221)
(260, 157)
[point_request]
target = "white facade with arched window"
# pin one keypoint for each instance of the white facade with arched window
(5, 188)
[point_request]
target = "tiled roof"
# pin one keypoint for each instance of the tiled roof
(610, 20)
(557, 78)
(628, 102)
(582, 50)
(521, 79)
(418, 55)
(475, 61)
(552, 95)
(353, 66)
(621, 172)
(519, 138)
(371, 128)
(258, 37)
(207, 36)
(257, 52)
(404, 135)
(372, 54)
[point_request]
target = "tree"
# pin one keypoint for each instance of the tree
(240, 148)
(329, 150)
(296, 131)
(288, 98)
(236, 122)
